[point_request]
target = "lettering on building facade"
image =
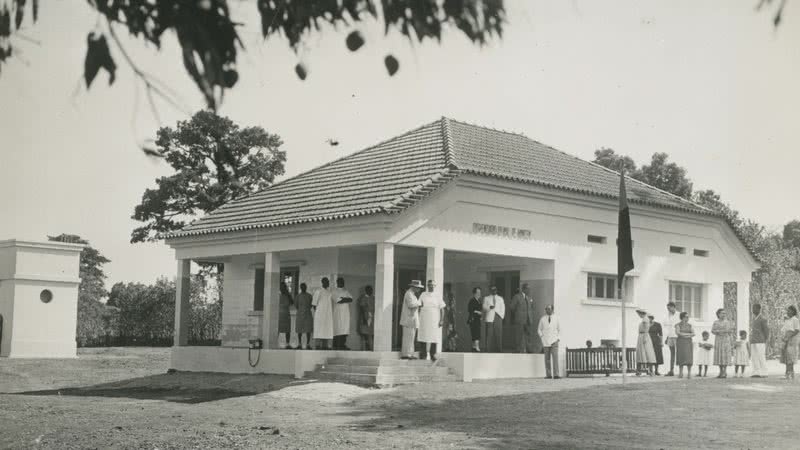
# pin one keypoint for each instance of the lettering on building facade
(501, 231)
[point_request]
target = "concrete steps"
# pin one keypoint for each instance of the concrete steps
(381, 372)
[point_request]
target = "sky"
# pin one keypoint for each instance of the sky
(711, 83)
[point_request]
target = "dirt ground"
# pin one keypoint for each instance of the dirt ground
(123, 398)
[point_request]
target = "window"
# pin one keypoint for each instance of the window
(701, 253)
(258, 291)
(676, 249)
(596, 239)
(688, 297)
(604, 287)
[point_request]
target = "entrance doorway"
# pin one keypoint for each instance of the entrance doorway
(291, 276)
(507, 283)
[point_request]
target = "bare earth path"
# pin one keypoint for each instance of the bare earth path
(122, 398)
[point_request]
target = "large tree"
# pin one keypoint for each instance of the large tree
(95, 320)
(209, 41)
(660, 173)
(215, 161)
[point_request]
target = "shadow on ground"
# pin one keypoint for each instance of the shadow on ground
(179, 387)
(638, 416)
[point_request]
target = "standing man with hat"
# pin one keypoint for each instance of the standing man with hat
(409, 319)
(494, 310)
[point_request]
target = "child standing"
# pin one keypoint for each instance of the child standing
(705, 355)
(741, 354)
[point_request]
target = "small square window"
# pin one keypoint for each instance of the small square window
(596, 239)
(676, 249)
(701, 253)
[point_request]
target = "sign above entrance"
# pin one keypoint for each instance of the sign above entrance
(497, 230)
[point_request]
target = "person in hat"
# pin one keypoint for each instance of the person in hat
(431, 318)
(656, 336)
(409, 318)
(645, 355)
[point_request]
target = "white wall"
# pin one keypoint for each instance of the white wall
(559, 233)
(32, 328)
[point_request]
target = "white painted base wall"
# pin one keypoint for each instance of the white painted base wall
(466, 366)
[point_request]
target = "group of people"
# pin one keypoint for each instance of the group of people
(326, 314)
(723, 351)
(486, 316)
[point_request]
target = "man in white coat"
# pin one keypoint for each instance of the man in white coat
(550, 332)
(322, 303)
(494, 311)
(431, 318)
(409, 319)
(341, 315)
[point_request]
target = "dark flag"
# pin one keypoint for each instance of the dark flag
(624, 244)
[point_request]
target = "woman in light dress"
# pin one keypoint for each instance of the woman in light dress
(645, 354)
(431, 319)
(723, 342)
(684, 353)
(790, 340)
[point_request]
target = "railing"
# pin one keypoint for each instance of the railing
(587, 361)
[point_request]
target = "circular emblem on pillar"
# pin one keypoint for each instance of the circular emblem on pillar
(46, 296)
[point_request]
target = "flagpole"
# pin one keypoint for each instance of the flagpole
(624, 348)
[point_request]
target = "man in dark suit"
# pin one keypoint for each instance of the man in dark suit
(522, 320)
(758, 342)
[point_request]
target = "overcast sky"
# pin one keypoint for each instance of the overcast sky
(711, 83)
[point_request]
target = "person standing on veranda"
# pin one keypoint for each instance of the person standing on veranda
(341, 315)
(670, 338)
(550, 333)
(431, 318)
(284, 314)
(475, 311)
(494, 311)
(366, 318)
(759, 335)
(304, 322)
(322, 304)
(522, 319)
(409, 319)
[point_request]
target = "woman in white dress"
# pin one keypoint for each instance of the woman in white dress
(431, 317)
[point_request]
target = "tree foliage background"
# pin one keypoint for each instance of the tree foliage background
(777, 284)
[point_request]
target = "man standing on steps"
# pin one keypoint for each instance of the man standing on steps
(409, 319)
(550, 332)
(494, 310)
(670, 336)
(341, 315)
(758, 343)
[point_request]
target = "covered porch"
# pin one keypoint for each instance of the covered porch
(251, 296)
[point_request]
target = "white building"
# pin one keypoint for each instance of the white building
(38, 298)
(467, 206)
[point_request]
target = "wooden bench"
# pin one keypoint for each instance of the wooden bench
(601, 360)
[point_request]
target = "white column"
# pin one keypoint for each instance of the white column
(272, 275)
(384, 297)
(182, 305)
(434, 269)
(743, 306)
